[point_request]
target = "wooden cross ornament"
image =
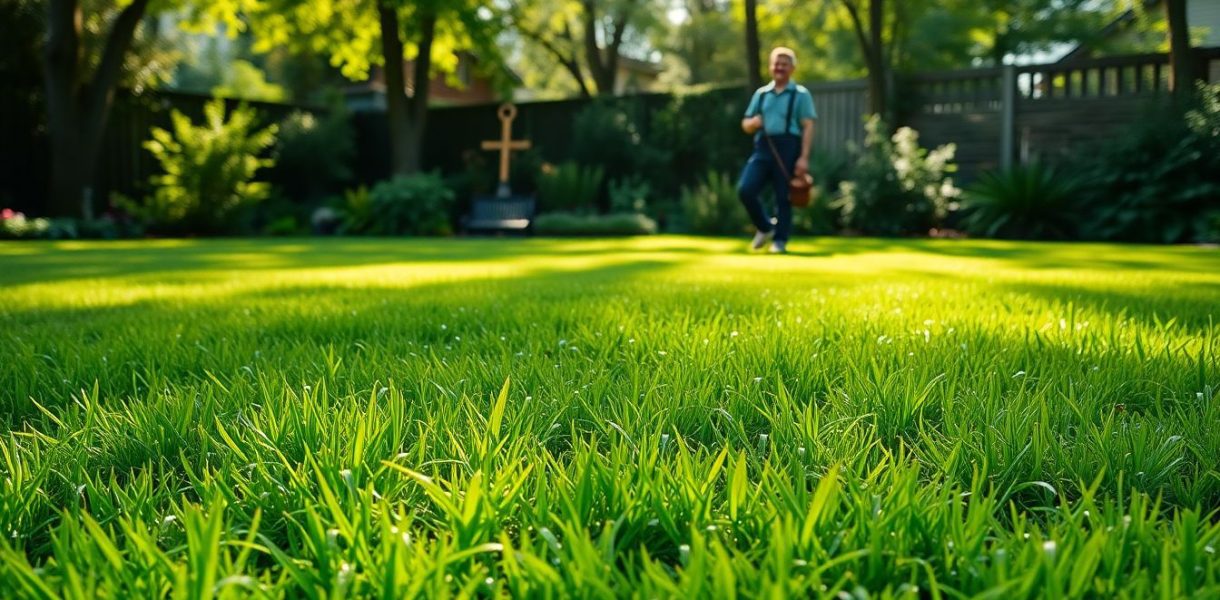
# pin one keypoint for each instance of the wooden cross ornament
(506, 144)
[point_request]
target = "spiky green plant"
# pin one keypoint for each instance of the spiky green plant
(1031, 201)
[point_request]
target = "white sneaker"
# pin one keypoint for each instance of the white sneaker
(761, 239)
(779, 247)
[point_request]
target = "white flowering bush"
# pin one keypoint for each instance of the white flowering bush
(896, 187)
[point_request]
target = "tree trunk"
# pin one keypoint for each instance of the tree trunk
(753, 46)
(397, 110)
(1181, 59)
(60, 65)
(872, 46)
(418, 104)
(603, 75)
(878, 70)
(77, 110)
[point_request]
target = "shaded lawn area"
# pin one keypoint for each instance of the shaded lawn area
(682, 417)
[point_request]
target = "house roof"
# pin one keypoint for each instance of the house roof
(641, 66)
(1115, 27)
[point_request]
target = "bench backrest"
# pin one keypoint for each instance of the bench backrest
(496, 210)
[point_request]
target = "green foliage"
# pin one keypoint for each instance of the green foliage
(606, 135)
(1034, 201)
(350, 32)
(551, 41)
(313, 157)
(245, 81)
(569, 187)
(1158, 182)
(713, 207)
(614, 224)
(692, 134)
(629, 194)
(285, 225)
(356, 209)
(539, 418)
(208, 171)
(411, 205)
(894, 186)
(14, 225)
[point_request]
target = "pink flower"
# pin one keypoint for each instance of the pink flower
(7, 213)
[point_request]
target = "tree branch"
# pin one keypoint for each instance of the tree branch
(853, 11)
(612, 56)
(570, 63)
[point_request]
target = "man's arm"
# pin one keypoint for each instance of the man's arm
(802, 163)
(753, 122)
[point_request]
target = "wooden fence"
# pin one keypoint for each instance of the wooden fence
(1011, 115)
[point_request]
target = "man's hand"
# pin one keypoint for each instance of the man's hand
(802, 166)
(752, 124)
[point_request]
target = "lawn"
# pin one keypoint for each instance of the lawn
(660, 416)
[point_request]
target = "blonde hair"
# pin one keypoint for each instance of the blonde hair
(784, 51)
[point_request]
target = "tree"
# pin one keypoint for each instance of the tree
(753, 45)
(79, 96)
(1181, 60)
(694, 49)
(360, 34)
(872, 36)
(588, 38)
(90, 48)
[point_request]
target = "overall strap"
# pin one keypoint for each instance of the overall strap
(791, 103)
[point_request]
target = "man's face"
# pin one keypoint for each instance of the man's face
(781, 68)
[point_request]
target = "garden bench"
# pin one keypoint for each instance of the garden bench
(514, 214)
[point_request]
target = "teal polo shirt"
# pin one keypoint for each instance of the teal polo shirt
(776, 108)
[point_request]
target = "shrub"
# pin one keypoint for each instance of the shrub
(712, 206)
(607, 136)
(15, 226)
(693, 134)
(285, 225)
(313, 156)
(629, 194)
(895, 187)
(561, 224)
(1160, 182)
(208, 171)
(417, 204)
(569, 187)
(1029, 202)
(356, 210)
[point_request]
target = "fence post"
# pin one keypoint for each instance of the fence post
(1008, 107)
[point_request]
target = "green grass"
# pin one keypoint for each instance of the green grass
(326, 418)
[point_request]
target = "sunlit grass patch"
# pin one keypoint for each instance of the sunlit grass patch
(321, 417)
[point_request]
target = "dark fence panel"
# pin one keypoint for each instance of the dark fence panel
(23, 154)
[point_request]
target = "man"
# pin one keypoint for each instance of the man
(782, 112)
